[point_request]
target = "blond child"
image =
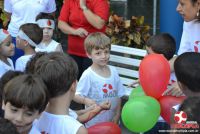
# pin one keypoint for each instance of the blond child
(100, 82)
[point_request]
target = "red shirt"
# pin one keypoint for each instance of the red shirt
(73, 15)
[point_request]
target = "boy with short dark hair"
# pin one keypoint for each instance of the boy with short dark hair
(29, 36)
(24, 98)
(59, 72)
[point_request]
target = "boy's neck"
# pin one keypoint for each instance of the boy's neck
(4, 59)
(59, 105)
(46, 42)
(103, 71)
(29, 50)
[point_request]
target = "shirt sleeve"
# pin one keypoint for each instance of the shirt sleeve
(51, 6)
(185, 45)
(64, 13)
(8, 6)
(83, 86)
(102, 9)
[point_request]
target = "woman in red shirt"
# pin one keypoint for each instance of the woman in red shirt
(78, 18)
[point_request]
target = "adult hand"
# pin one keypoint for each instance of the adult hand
(81, 32)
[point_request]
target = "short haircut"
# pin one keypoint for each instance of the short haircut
(187, 70)
(31, 63)
(26, 91)
(191, 107)
(58, 70)
(33, 31)
(7, 77)
(44, 16)
(162, 43)
(96, 41)
(6, 127)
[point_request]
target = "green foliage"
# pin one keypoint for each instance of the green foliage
(131, 33)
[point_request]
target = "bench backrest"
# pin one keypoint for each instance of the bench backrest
(126, 60)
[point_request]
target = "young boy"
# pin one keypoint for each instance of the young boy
(6, 50)
(24, 98)
(59, 72)
(186, 68)
(100, 82)
(46, 22)
(29, 36)
(4, 79)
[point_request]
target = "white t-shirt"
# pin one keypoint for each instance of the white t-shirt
(34, 130)
(21, 62)
(25, 11)
(101, 89)
(5, 67)
(190, 40)
(73, 114)
(57, 124)
(51, 47)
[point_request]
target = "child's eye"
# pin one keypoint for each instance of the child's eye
(8, 44)
(14, 110)
(29, 113)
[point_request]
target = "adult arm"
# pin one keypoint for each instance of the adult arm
(97, 18)
(82, 130)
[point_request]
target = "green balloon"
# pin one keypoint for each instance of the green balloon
(138, 91)
(141, 113)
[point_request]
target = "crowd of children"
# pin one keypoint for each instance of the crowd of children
(36, 91)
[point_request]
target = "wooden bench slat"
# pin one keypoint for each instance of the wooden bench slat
(125, 60)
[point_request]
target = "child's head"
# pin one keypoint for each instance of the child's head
(24, 98)
(162, 43)
(6, 45)
(29, 34)
(6, 127)
(7, 77)
(97, 46)
(46, 22)
(59, 72)
(187, 70)
(31, 63)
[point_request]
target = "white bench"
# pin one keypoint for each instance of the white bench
(126, 60)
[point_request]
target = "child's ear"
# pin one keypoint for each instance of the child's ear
(73, 86)
(3, 105)
(88, 55)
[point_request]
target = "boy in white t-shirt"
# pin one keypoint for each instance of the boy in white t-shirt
(59, 72)
(46, 22)
(29, 36)
(100, 82)
(6, 50)
(24, 98)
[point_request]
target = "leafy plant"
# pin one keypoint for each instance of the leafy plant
(131, 33)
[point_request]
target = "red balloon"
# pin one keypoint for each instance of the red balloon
(166, 104)
(154, 75)
(104, 128)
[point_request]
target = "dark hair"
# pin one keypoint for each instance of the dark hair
(162, 43)
(33, 31)
(58, 70)
(187, 70)
(191, 107)
(31, 63)
(44, 16)
(26, 90)
(7, 77)
(6, 127)
(193, 3)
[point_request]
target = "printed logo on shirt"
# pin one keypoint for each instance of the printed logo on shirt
(108, 91)
(43, 132)
(196, 46)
